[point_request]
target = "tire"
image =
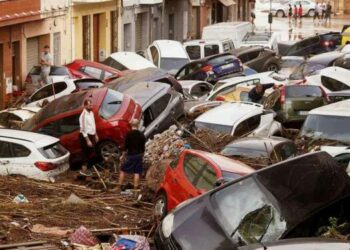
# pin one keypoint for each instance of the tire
(108, 148)
(160, 206)
(311, 13)
(280, 13)
(272, 67)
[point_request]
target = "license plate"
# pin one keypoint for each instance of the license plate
(227, 66)
(303, 112)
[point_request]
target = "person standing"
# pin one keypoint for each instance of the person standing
(328, 13)
(252, 16)
(317, 12)
(290, 13)
(45, 62)
(88, 136)
(132, 157)
(323, 9)
(300, 12)
(295, 14)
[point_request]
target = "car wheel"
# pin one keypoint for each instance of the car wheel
(272, 67)
(280, 13)
(160, 206)
(108, 149)
(311, 13)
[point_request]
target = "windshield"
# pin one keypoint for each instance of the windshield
(173, 64)
(305, 69)
(215, 127)
(327, 128)
(254, 220)
(244, 152)
(111, 104)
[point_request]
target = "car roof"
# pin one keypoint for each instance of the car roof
(187, 84)
(131, 60)
(258, 143)
(225, 163)
(335, 109)
(230, 113)
(145, 93)
(336, 73)
(170, 49)
(39, 140)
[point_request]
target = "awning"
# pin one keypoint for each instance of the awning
(227, 2)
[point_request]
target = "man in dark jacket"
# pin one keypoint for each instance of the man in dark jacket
(132, 157)
(257, 93)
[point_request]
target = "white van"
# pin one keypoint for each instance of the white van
(168, 55)
(235, 31)
(263, 39)
(197, 49)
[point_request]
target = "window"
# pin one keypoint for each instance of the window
(68, 125)
(49, 129)
(283, 151)
(155, 55)
(244, 96)
(247, 126)
(12, 150)
(343, 160)
(252, 55)
(200, 90)
(93, 72)
(172, 64)
(48, 91)
(211, 49)
(194, 52)
(227, 46)
(303, 91)
(58, 71)
(333, 84)
(207, 178)
(160, 105)
(114, 64)
(4, 119)
(53, 151)
(111, 104)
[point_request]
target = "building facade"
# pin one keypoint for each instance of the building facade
(26, 26)
(96, 28)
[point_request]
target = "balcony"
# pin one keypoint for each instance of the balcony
(127, 3)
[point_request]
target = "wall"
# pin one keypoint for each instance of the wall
(182, 16)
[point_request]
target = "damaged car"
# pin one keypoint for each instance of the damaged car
(286, 200)
(193, 173)
(32, 155)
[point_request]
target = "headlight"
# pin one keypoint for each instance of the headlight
(167, 225)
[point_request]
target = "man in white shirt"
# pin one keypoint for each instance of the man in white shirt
(88, 135)
(45, 62)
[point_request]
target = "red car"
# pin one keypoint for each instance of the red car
(194, 173)
(113, 112)
(83, 68)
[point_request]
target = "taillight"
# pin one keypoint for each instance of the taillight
(282, 95)
(45, 166)
(220, 98)
(207, 68)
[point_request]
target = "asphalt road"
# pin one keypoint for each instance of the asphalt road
(296, 31)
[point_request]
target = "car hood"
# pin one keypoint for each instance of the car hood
(326, 58)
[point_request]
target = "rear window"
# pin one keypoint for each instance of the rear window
(194, 52)
(211, 49)
(53, 151)
(111, 104)
(59, 71)
(221, 60)
(303, 91)
(333, 84)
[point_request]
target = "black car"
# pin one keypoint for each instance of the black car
(210, 68)
(259, 58)
(144, 75)
(311, 45)
(290, 199)
(161, 105)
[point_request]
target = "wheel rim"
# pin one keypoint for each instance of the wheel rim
(109, 149)
(159, 207)
(280, 14)
(272, 67)
(311, 13)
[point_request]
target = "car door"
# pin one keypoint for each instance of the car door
(49, 92)
(253, 60)
(14, 159)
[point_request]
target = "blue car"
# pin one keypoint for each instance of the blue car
(211, 68)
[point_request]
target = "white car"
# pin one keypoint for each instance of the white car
(128, 61)
(331, 79)
(264, 39)
(196, 89)
(168, 55)
(329, 58)
(330, 122)
(240, 119)
(56, 90)
(341, 154)
(197, 49)
(14, 117)
(33, 155)
(280, 9)
(230, 84)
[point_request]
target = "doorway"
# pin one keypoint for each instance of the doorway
(171, 26)
(96, 36)
(86, 37)
(127, 37)
(57, 48)
(16, 64)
